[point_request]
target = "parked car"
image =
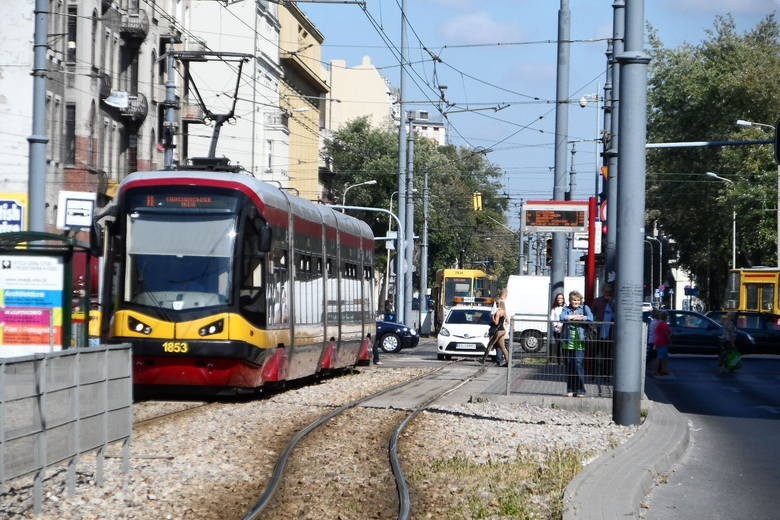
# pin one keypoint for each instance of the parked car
(392, 336)
(763, 326)
(695, 333)
(464, 332)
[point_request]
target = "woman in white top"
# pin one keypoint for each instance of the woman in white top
(558, 303)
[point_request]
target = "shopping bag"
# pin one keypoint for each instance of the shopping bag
(733, 360)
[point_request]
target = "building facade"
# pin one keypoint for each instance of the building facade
(303, 94)
(257, 136)
(359, 91)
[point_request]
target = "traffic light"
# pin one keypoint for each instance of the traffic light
(476, 199)
(548, 252)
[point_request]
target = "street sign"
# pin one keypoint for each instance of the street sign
(555, 215)
(75, 209)
(11, 216)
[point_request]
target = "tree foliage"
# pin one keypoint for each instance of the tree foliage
(457, 235)
(697, 93)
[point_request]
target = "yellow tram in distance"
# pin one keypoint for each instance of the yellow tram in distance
(222, 281)
(453, 286)
(753, 289)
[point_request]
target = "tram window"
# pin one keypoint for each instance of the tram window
(751, 296)
(767, 296)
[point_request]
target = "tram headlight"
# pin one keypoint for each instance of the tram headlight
(138, 326)
(212, 328)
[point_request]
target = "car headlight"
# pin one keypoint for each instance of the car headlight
(444, 332)
(412, 332)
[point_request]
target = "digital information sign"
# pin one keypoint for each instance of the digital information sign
(555, 216)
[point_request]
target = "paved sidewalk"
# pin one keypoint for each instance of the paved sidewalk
(614, 485)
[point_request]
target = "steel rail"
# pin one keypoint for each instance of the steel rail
(404, 498)
(281, 463)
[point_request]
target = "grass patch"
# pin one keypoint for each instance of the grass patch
(526, 488)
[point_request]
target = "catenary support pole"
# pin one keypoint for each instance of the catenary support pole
(631, 214)
(558, 264)
(400, 257)
(36, 167)
(424, 324)
(409, 231)
(169, 126)
(613, 173)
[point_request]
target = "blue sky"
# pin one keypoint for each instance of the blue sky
(491, 58)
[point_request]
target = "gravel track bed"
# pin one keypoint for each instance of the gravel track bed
(214, 462)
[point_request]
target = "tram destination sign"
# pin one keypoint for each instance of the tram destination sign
(545, 216)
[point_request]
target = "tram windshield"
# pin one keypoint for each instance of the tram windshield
(179, 261)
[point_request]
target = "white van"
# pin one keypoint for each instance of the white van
(528, 306)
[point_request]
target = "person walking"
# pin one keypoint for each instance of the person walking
(663, 338)
(558, 303)
(728, 355)
(498, 332)
(575, 334)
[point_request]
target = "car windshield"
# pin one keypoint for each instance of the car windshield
(469, 316)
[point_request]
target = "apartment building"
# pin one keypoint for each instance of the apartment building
(359, 91)
(302, 96)
(105, 92)
(257, 136)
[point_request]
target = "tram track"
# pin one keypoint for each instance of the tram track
(279, 501)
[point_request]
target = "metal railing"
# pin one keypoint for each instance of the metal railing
(57, 406)
(542, 363)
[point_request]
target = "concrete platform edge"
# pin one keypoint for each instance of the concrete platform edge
(614, 485)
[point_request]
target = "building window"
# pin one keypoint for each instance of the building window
(94, 37)
(92, 152)
(70, 134)
(270, 144)
(71, 54)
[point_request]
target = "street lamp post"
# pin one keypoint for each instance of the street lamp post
(660, 263)
(742, 122)
(733, 222)
(347, 188)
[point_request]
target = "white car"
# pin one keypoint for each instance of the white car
(464, 332)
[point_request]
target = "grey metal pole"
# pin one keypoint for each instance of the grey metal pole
(409, 231)
(169, 128)
(400, 297)
(631, 213)
(522, 261)
(36, 166)
(613, 172)
(561, 131)
(424, 329)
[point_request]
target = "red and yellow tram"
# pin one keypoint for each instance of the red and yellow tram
(220, 280)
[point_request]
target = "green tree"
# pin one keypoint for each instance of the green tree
(697, 93)
(455, 232)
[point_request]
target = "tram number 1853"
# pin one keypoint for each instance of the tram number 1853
(176, 347)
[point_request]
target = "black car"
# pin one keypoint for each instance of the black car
(392, 336)
(763, 326)
(695, 333)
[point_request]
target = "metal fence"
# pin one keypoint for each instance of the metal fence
(542, 363)
(57, 406)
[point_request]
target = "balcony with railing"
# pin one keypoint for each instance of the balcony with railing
(103, 82)
(134, 24)
(131, 108)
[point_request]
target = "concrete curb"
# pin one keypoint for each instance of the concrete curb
(613, 485)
